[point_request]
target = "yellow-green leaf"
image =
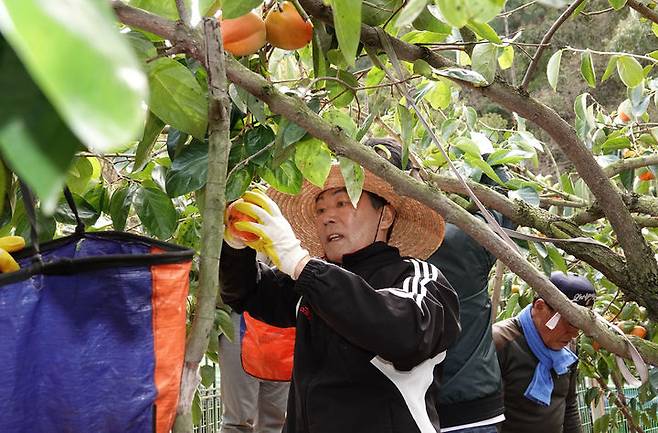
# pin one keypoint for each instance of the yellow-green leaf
(630, 71)
(587, 68)
(347, 19)
(553, 69)
(313, 159)
(506, 59)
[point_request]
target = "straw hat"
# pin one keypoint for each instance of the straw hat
(417, 229)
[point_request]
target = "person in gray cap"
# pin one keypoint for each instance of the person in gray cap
(537, 367)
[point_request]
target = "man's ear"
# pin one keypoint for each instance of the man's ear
(388, 217)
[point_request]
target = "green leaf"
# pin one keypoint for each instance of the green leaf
(440, 94)
(509, 156)
(601, 424)
(176, 97)
(485, 61)
(484, 167)
(152, 131)
(97, 87)
(467, 146)
(175, 142)
(340, 119)
(238, 182)
(79, 175)
(506, 59)
(485, 31)
(98, 198)
(587, 68)
(630, 71)
(427, 21)
(354, 177)
(341, 95)
(410, 12)
(454, 12)
(556, 258)
(376, 12)
(207, 375)
(196, 409)
(46, 226)
(120, 206)
(423, 37)
(289, 132)
(285, 178)
(610, 69)
(463, 75)
(615, 143)
(257, 139)
(617, 4)
(553, 69)
(483, 10)
(189, 171)
(86, 211)
(527, 194)
(458, 12)
(156, 211)
(421, 67)
(313, 158)
(32, 134)
(347, 21)
(237, 8)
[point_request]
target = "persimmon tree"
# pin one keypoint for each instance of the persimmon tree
(154, 129)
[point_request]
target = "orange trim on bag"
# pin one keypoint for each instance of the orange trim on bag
(170, 287)
(267, 351)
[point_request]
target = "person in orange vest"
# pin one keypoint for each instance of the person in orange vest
(253, 395)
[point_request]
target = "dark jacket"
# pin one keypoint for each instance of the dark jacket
(517, 364)
(362, 329)
(471, 387)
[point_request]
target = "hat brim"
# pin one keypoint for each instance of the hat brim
(417, 230)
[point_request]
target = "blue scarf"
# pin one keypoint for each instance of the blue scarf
(541, 387)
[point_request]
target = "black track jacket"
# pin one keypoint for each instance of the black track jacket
(370, 335)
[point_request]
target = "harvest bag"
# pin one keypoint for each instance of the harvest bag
(92, 335)
(267, 351)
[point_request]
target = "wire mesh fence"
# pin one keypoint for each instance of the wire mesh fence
(210, 418)
(211, 412)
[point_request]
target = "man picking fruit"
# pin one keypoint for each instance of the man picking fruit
(373, 322)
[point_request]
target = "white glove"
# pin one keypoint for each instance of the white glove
(276, 238)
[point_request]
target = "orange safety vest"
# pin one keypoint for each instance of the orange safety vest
(267, 351)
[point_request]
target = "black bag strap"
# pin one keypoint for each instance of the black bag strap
(80, 226)
(28, 200)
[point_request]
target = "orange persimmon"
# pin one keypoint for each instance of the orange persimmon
(235, 216)
(243, 35)
(286, 29)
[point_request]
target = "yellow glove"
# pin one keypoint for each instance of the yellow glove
(275, 236)
(10, 244)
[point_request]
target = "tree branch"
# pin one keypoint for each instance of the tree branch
(637, 252)
(542, 45)
(643, 10)
(296, 111)
(182, 12)
(629, 164)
